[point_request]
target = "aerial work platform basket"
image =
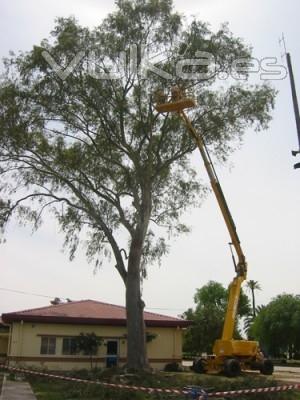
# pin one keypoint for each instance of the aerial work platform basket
(178, 101)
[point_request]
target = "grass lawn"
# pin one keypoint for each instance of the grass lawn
(60, 390)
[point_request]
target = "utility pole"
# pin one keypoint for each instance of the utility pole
(294, 97)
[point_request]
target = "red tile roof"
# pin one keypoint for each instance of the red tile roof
(89, 312)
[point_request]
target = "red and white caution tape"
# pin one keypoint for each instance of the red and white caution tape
(104, 384)
(150, 390)
(274, 389)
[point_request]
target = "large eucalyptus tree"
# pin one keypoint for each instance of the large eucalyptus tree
(86, 143)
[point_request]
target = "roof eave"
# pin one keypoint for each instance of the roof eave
(13, 317)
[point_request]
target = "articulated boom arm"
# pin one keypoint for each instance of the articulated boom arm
(229, 355)
(241, 266)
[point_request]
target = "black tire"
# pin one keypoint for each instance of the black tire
(198, 367)
(232, 368)
(267, 367)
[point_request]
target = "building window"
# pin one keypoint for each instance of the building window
(48, 345)
(69, 346)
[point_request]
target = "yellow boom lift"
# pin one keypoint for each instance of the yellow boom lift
(229, 355)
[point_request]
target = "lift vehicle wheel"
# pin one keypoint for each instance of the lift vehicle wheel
(267, 367)
(232, 367)
(199, 367)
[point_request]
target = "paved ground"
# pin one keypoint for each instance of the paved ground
(287, 374)
(284, 374)
(12, 390)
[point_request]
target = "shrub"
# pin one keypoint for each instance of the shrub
(172, 367)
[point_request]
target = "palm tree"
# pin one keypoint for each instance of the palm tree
(252, 286)
(249, 321)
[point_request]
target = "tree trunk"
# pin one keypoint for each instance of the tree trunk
(253, 303)
(136, 344)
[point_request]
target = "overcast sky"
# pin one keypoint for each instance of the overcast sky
(262, 188)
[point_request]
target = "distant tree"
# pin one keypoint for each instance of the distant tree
(199, 338)
(96, 153)
(208, 317)
(88, 343)
(277, 326)
(252, 286)
(249, 319)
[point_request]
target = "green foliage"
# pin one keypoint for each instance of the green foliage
(215, 294)
(98, 146)
(50, 390)
(88, 343)
(173, 367)
(208, 317)
(249, 319)
(277, 326)
(252, 286)
(150, 336)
